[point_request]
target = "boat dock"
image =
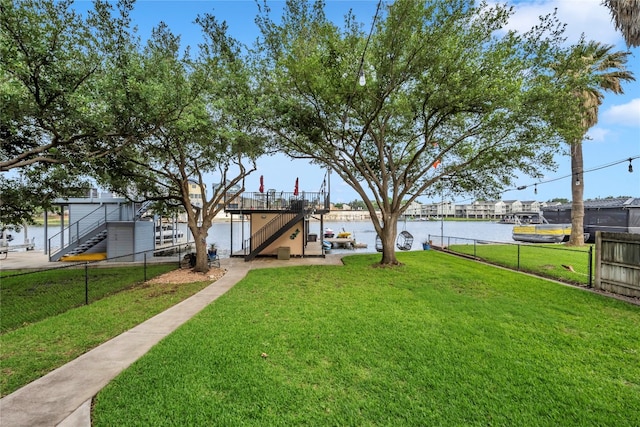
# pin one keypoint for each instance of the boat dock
(341, 242)
(5, 249)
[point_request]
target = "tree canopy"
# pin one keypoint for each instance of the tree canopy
(60, 98)
(437, 94)
(199, 115)
(84, 98)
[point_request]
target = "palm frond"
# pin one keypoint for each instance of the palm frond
(626, 16)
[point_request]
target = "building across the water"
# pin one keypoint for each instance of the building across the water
(620, 215)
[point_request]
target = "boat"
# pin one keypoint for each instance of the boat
(343, 234)
(534, 228)
(507, 219)
(166, 234)
(328, 233)
(521, 218)
(326, 245)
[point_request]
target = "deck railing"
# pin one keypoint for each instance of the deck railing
(272, 200)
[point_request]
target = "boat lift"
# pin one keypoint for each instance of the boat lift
(5, 249)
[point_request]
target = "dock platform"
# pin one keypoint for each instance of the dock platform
(341, 242)
(5, 249)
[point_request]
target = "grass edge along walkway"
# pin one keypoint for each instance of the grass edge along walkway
(439, 341)
(79, 380)
(31, 351)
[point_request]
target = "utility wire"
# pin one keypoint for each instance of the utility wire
(593, 169)
(522, 187)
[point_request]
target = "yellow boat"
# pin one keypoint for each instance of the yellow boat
(538, 230)
(542, 233)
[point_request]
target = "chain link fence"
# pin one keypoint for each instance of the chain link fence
(573, 265)
(31, 296)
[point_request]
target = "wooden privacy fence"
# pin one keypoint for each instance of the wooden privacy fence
(618, 263)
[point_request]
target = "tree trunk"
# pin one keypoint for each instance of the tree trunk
(577, 194)
(200, 237)
(388, 238)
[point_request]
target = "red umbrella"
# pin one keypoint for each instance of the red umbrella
(261, 184)
(295, 189)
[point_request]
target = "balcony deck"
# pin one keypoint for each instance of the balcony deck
(272, 201)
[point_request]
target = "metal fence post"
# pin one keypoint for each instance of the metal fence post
(86, 283)
(590, 266)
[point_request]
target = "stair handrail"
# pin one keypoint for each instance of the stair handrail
(79, 232)
(144, 207)
(267, 230)
(270, 229)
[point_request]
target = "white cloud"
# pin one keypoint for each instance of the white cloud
(597, 134)
(626, 114)
(581, 16)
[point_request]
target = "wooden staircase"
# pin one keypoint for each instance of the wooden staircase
(270, 232)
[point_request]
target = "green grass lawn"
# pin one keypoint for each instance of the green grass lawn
(569, 264)
(439, 341)
(32, 351)
(29, 297)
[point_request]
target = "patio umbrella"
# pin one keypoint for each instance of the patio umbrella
(261, 184)
(295, 189)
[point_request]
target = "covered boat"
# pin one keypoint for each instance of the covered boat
(534, 228)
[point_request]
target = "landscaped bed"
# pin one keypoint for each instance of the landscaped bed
(439, 341)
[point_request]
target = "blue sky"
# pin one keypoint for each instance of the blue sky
(615, 138)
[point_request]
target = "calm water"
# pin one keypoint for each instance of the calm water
(221, 233)
(364, 232)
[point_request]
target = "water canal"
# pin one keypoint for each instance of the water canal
(363, 232)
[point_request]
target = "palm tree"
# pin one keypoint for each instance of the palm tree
(626, 15)
(600, 69)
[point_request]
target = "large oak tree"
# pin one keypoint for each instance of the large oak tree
(59, 83)
(199, 115)
(437, 94)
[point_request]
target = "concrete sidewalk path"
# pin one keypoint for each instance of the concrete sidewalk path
(63, 397)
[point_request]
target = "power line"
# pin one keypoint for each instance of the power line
(593, 169)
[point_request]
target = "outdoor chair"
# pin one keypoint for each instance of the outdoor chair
(213, 259)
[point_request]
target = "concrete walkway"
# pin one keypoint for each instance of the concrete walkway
(63, 397)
